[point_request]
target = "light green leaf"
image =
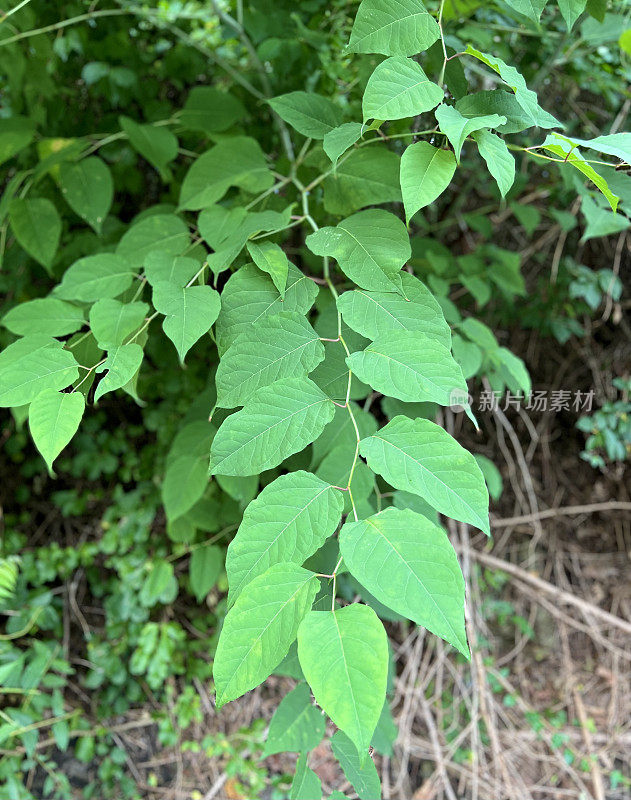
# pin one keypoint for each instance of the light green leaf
(420, 457)
(310, 114)
(53, 419)
(362, 777)
(336, 469)
(370, 247)
(237, 161)
(279, 346)
(249, 296)
(571, 10)
(47, 316)
(410, 366)
(189, 313)
(259, 629)
(277, 421)
(306, 785)
(205, 569)
(565, 149)
(164, 232)
(499, 161)
(526, 98)
(456, 127)
(94, 277)
(271, 259)
(409, 565)
(368, 177)
(513, 371)
(37, 227)
(88, 189)
(32, 365)
(112, 321)
(121, 365)
(386, 732)
(617, 145)
(344, 656)
(332, 375)
(156, 144)
(161, 266)
(337, 141)
(426, 171)
(289, 520)
(341, 431)
(16, 133)
(529, 8)
(374, 314)
(297, 725)
(492, 476)
(210, 110)
(399, 88)
(242, 488)
(401, 28)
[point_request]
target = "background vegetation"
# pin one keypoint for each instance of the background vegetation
(113, 600)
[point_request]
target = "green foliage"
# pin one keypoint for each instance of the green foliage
(128, 236)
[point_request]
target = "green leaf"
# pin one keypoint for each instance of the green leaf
(185, 481)
(370, 247)
(112, 321)
(156, 144)
(46, 316)
(309, 113)
(297, 725)
(529, 8)
(337, 141)
(526, 98)
(332, 375)
(260, 627)
(271, 259)
(386, 732)
(37, 227)
(426, 171)
(368, 177)
(571, 10)
(600, 221)
(279, 346)
(205, 569)
(88, 189)
(420, 457)
(121, 365)
(362, 777)
(411, 367)
(456, 127)
(161, 266)
(249, 296)
(336, 469)
(94, 277)
(16, 133)
(341, 431)
(374, 314)
(344, 656)
(492, 476)
(157, 586)
(306, 785)
(504, 103)
(617, 145)
(237, 161)
(210, 110)
(499, 161)
(164, 232)
(53, 419)
(32, 365)
(189, 313)
(289, 520)
(398, 88)
(409, 565)
(401, 28)
(565, 149)
(277, 421)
